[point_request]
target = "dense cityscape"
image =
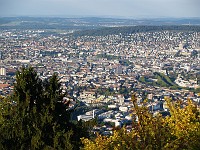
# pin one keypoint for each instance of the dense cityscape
(99, 75)
(101, 72)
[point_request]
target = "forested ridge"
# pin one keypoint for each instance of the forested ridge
(135, 29)
(36, 116)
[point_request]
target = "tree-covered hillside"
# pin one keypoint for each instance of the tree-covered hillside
(134, 29)
(160, 80)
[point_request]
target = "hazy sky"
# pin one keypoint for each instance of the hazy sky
(106, 8)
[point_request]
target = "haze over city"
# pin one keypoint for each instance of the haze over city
(101, 8)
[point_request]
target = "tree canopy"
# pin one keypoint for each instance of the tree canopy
(180, 130)
(39, 119)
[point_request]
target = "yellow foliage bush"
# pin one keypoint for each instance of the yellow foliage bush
(180, 130)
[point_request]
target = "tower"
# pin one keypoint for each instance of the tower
(26, 53)
(1, 55)
(3, 72)
(93, 113)
(119, 69)
(180, 46)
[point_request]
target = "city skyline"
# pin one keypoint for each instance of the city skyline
(101, 8)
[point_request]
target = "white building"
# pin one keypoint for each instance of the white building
(3, 72)
(123, 108)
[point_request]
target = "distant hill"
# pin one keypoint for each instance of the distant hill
(86, 22)
(135, 29)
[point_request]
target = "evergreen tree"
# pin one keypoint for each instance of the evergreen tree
(40, 119)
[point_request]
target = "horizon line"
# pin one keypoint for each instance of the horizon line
(91, 16)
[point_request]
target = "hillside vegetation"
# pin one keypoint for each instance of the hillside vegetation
(181, 130)
(134, 29)
(160, 79)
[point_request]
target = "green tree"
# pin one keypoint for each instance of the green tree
(18, 127)
(40, 119)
